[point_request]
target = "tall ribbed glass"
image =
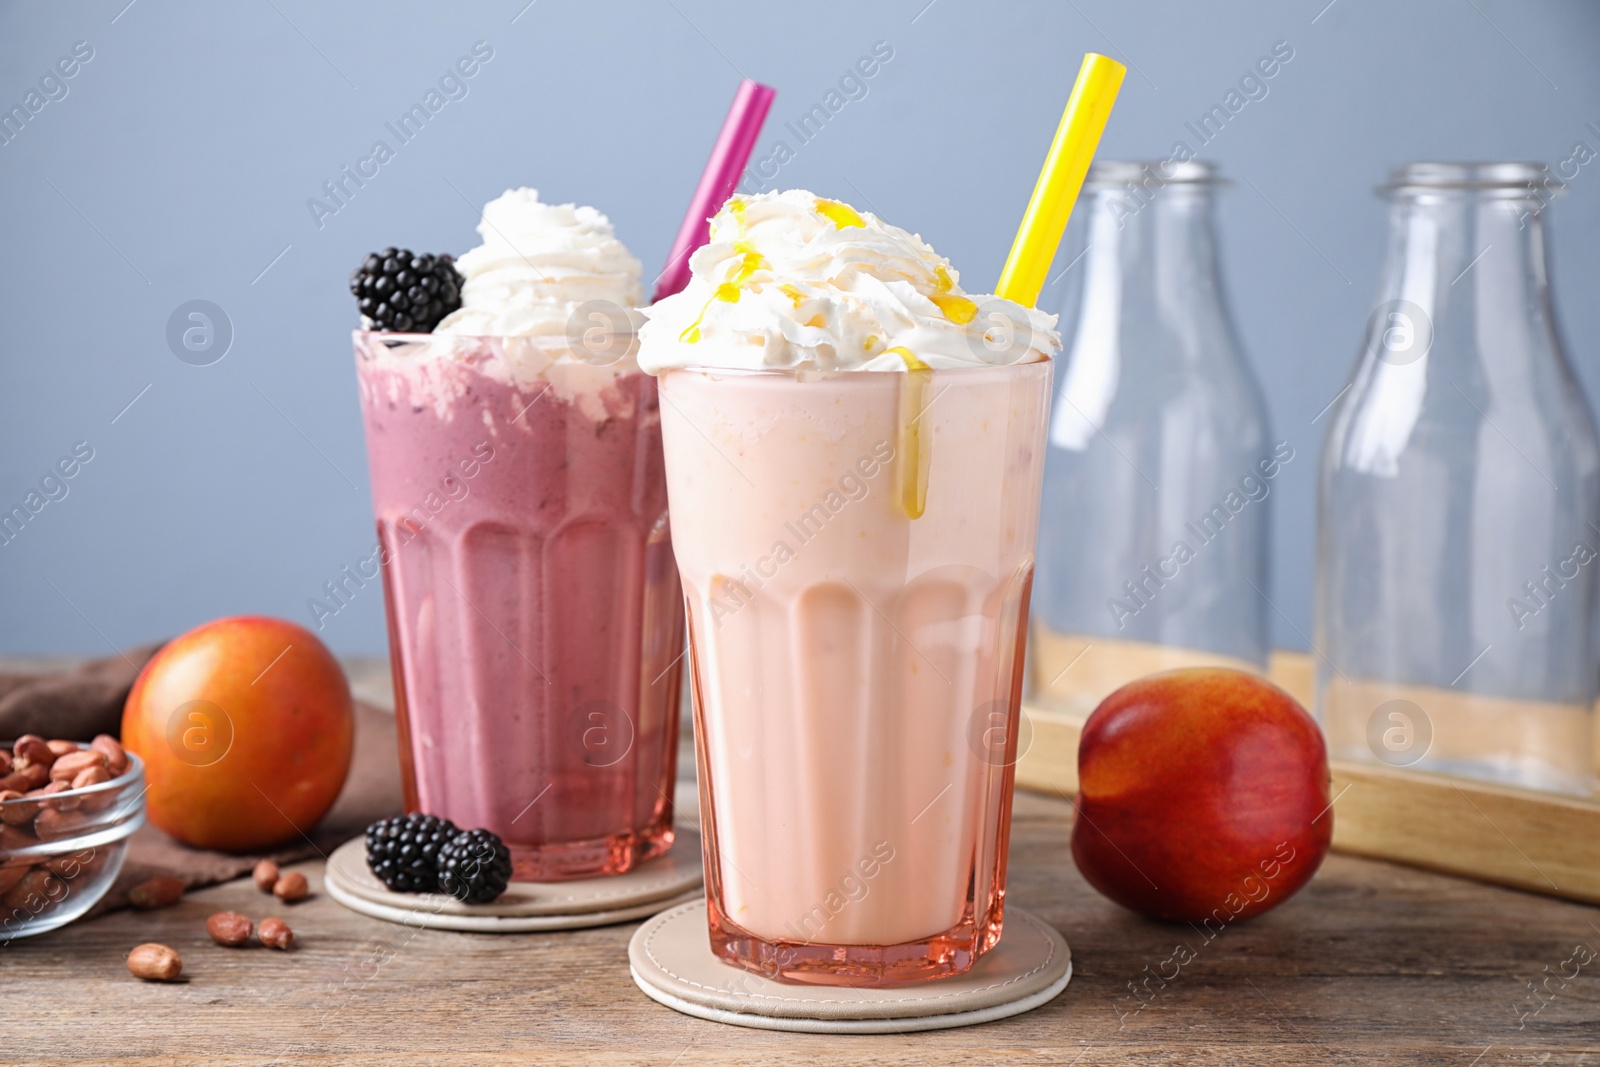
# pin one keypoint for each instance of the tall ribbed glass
(535, 620)
(856, 550)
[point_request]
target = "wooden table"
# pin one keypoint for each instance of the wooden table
(1371, 963)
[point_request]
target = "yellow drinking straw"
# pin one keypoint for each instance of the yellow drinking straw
(1056, 191)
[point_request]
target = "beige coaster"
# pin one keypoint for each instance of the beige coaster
(525, 906)
(671, 960)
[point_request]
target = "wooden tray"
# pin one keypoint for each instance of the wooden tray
(1536, 841)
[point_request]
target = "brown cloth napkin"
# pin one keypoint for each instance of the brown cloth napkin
(75, 704)
(88, 699)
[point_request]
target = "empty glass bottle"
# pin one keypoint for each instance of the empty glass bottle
(1153, 532)
(1457, 506)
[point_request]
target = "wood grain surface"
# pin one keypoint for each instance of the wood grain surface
(1371, 963)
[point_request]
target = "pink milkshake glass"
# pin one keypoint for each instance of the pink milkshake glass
(856, 550)
(534, 613)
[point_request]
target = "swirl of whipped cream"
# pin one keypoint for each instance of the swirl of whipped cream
(537, 264)
(790, 280)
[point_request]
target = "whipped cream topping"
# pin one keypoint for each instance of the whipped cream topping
(537, 265)
(462, 376)
(790, 280)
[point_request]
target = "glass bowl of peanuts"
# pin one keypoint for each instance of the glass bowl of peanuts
(67, 810)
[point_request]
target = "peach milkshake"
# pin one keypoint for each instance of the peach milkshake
(854, 451)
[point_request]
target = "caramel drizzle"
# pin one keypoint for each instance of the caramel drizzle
(750, 261)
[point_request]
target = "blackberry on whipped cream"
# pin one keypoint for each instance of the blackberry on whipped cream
(399, 291)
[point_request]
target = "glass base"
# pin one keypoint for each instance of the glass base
(943, 955)
(599, 857)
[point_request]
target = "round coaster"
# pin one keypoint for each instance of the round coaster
(525, 906)
(670, 957)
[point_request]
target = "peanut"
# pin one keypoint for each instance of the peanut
(266, 875)
(13, 838)
(229, 928)
(5, 762)
(70, 866)
(116, 756)
(10, 876)
(275, 933)
(16, 814)
(67, 768)
(155, 963)
(291, 887)
(15, 782)
(43, 795)
(91, 776)
(162, 891)
(100, 799)
(31, 750)
(51, 824)
(34, 891)
(62, 748)
(34, 775)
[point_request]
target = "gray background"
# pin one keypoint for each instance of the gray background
(179, 165)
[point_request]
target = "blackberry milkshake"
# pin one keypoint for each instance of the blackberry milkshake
(533, 606)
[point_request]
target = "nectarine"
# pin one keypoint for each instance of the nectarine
(246, 728)
(1202, 796)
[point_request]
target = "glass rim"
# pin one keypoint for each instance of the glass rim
(1111, 173)
(127, 777)
(810, 373)
(1434, 176)
(394, 338)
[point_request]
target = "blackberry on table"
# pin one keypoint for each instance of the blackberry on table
(403, 852)
(403, 292)
(474, 867)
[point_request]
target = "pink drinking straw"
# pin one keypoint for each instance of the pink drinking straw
(728, 158)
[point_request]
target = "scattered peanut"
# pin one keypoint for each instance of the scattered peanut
(291, 887)
(229, 928)
(155, 963)
(266, 875)
(159, 892)
(275, 933)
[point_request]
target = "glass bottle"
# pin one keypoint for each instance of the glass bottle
(1153, 535)
(1457, 537)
